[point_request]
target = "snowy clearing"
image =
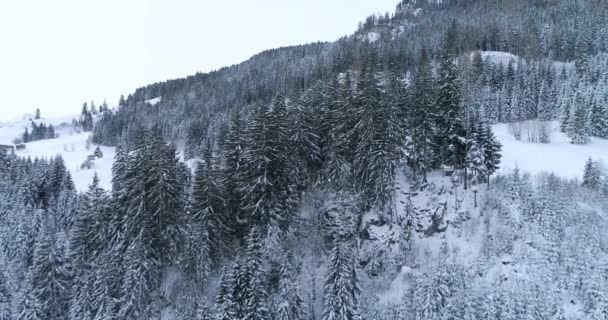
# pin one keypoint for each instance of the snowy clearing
(560, 156)
(70, 144)
(154, 101)
(504, 58)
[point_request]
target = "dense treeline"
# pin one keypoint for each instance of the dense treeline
(557, 30)
(38, 132)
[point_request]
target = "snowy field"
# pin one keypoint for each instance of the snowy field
(71, 145)
(504, 58)
(560, 156)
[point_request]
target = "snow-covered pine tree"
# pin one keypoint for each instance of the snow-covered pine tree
(578, 123)
(548, 100)
(233, 149)
(255, 291)
(598, 117)
(201, 311)
(196, 137)
(139, 281)
(421, 115)
(491, 149)
(225, 300)
(305, 141)
(341, 289)
(98, 153)
(289, 304)
(578, 130)
(338, 138)
(208, 210)
(26, 305)
(451, 140)
(592, 175)
(90, 238)
(475, 158)
(264, 186)
(376, 152)
(50, 277)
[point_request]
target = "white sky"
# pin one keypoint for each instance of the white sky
(56, 54)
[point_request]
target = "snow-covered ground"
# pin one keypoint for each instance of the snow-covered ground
(154, 101)
(70, 144)
(504, 58)
(560, 156)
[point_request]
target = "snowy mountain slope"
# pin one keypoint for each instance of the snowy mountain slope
(504, 249)
(559, 156)
(71, 145)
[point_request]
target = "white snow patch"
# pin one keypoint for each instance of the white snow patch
(559, 156)
(373, 37)
(71, 145)
(154, 101)
(499, 57)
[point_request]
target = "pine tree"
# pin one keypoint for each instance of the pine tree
(475, 160)
(376, 151)
(119, 171)
(209, 210)
(598, 118)
(233, 148)
(339, 141)
(26, 136)
(578, 130)
(152, 224)
(265, 186)
(422, 116)
(254, 293)
(50, 132)
(91, 236)
(548, 99)
(195, 138)
(201, 311)
(27, 306)
(50, 277)
(491, 151)
(98, 154)
(37, 116)
(290, 303)
(305, 142)
(451, 141)
(225, 300)
(592, 175)
(341, 290)
(138, 283)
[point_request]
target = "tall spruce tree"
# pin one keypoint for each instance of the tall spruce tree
(450, 124)
(376, 153)
(50, 276)
(592, 175)
(290, 305)
(341, 290)
(232, 175)
(421, 115)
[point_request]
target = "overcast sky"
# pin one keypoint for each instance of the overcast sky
(54, 55)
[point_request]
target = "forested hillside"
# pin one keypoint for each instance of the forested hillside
(347, 180)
